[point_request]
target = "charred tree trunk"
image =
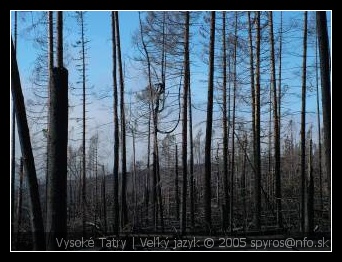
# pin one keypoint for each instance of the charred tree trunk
(243, 184)
(26, 149)
(225, 124)
(276, 127)
(116, 134)
(257, 158)
(134, 175)
(124, 218)
(58, 135)
(311, 190)
(148, 174)
(151, 116)
(50, 62)
(185, 119)
(191, 167)
(191, 163)
(209, 126)
(84, 176)
(304, 214)
(20, 200)
(104, 199)
(13, 138)
(176, 185)
(323, 42)
(232, 172)
(319, 133)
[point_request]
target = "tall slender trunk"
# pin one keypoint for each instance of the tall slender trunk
(185, 119)
(276, 127)
(95, 198)
(191, 166)
(134, 186)
(323, 42)
(191, 163)
(158, 194)
(209, 126)
(232, 172)
(224, 123)
(26, 149)
(280, 69)
(302, 132)
(148, 173)
(319, 132)
(116, 133)
(310, 190)
(257, 160)
(151, 116)
(243, 178)
(104, 200)
(176, 184)
(84, 177)
(124, 218)
(269, 178)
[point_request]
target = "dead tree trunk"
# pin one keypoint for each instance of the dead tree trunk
(280, 68)
(58, 129)
(232, 172)
(209, 127)
(13, 138)
(276, 127)
(225, 124)
(257, 158)
(323, 42)
(304, 214)
(26, 149)
(254, 109)
(319, 133)
(191, 167)
(311, 191)
(134, 175)
(84, 176)
(124, 218)
(151, 116)
(116, 134)
(185, 119)
(243, 184)
(50, 62)
(176, 184)
(20, 200)
(104, 199)
(191, 163)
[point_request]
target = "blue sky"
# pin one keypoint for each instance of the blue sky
(100, 67)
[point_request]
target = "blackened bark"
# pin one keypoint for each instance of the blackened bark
(209, 126)
(26, 149)
(116, 134)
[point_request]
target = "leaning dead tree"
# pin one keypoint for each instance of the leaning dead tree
(13, 137)
(26, 149)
